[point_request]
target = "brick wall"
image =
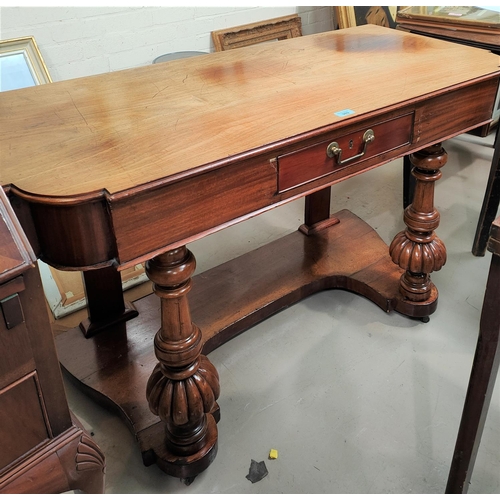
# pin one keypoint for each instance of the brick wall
(82, 41)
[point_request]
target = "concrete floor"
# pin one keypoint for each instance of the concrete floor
(355, 400)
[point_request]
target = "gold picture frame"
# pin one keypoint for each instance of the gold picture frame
(21, 64)
(356, 16)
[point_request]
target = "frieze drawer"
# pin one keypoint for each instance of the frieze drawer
(333, 155)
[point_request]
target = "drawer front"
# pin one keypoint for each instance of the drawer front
(313, 162)
(22, 419)
(16, 356)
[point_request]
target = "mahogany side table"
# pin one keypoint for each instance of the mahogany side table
(108, 171)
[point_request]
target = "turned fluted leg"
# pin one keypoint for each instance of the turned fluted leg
(417, 250)
(184, 385)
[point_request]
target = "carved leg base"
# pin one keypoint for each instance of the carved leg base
(348, 256)
(419, 309)
(190, 466)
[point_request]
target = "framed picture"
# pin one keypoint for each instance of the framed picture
(21, 64)
(278, 28)
(65, 291)
(356, 16)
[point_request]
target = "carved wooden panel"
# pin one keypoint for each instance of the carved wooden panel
(279, 28)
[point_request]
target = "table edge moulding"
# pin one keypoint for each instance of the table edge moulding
(108, 171)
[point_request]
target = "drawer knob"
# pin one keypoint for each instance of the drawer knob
(334, 150)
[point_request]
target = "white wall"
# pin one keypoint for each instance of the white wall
(82, 41)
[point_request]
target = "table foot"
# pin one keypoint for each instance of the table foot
(90, 328)
(419, 310)
(185, 467)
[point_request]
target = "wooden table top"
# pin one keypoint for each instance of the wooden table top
(119, 130)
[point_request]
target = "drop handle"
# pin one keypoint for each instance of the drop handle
(334, 150)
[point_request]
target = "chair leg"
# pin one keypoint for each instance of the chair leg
(490, 202)
(481, 383)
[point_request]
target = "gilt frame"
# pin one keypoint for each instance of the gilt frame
(30, 63)
(346, 16)
(279, 28)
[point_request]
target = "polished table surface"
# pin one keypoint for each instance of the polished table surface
(79, 136)
(111, 170)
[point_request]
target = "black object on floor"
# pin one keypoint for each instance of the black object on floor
(258, 471)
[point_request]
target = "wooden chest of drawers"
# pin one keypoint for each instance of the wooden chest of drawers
(43, 448)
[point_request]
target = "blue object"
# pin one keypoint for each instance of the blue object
(344, 112)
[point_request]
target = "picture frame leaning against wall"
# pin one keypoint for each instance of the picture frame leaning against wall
(21, 64)
(356, 16)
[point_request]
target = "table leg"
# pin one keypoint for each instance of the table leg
(184, 386)
(417, 250)
(105, 303)
(317, 212)
(408, 181)
(491, 201)
(482, 381)
(317, 206)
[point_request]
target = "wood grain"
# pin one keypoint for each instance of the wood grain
(89, 134)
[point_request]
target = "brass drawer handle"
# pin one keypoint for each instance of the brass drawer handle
(333, 148)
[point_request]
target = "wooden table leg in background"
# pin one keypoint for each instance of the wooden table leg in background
(482, 379)
(184, 385)
(417, 250)
(491, 201)
(317, 206)
(317, 212)
(105, 303)
(408, 181)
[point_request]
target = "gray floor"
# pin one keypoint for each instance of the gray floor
(355, 400)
